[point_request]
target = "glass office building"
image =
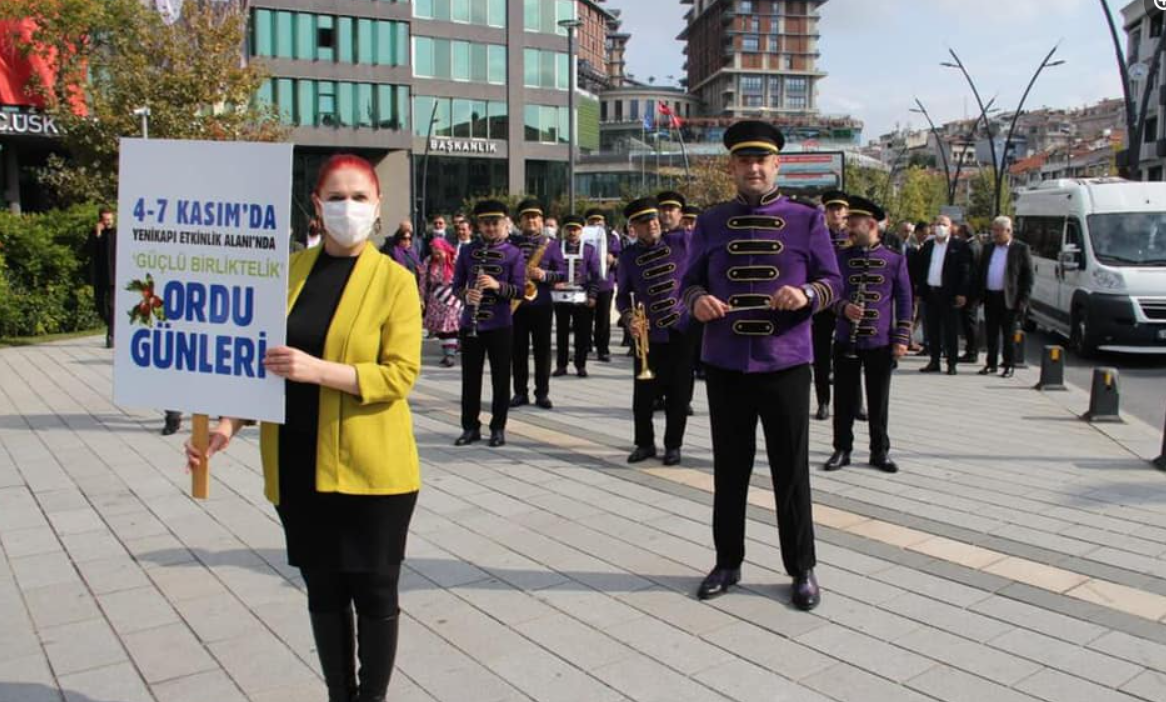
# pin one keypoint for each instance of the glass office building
(447, 98)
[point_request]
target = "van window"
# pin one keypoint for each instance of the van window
(1129, 238)
(1073, 236)
(1042, 234)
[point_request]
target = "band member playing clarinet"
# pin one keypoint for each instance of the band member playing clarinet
(758, 268)
(490, 274)
(873, 331)
(649, 270)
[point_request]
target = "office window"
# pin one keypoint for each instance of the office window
(462, 111)
(754, 24)
(564, 125)
(752, 100)
(750, 43)
(459, 11)
(480, 12)
(423, 9)
(635, 113)
(547, 65)
(346, 103)
(325, 38)
(285, 100)
(774, 91)
(266, 93)
(603, 111)
(499, 118)
(530, 75)
(263, 35)
(751, 85)
(326, 103)
(364, 105)
(531, 118)
(479, 63)
(496, 58)
(549, 127)
(546, 69)
(365, 47)
(305, 35)
(563, 71)
(745, 7)
(345, 40)
(619, 110)
(497, 13)
(544, 15)
(424, 64)
(460, 62)
(387, 107)
(1151, 131)
(306, 103)
(284, 34)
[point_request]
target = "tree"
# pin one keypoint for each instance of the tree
(981, 205)
(711, 183)
(112, 57)
(920, 196)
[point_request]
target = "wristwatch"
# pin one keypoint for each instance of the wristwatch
(811, 294)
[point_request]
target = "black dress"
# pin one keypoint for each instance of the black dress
(329, 531)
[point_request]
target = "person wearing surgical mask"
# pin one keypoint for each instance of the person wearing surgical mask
(943, 281)
(343, 470)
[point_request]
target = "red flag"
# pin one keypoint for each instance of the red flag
(665, 109)
(673, 119)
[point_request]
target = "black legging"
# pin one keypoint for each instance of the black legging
(374, 594)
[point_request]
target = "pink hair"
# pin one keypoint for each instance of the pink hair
(340, 161)
(439, 244)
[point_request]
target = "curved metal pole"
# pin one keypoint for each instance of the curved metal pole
(970, 140)
(1132, 156)
(942, 153)
(983, 112)
(425, 174)
(999, 184)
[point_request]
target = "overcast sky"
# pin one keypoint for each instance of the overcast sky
(881, 54)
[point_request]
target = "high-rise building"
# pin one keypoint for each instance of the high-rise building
(753, 57)
(448, 98)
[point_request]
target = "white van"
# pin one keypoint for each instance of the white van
(1099, 250)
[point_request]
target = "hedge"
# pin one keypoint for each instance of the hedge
(44, 272)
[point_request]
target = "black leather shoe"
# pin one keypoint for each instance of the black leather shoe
(1008, 373)
(823, 412)
(559, 373)
(883, 463)
(987, 370)
(582, 372)
(837, 460)
(468, 437)
(642, 453)
(930, 368)
(604, 358)
(718, 583)
(860, 414)
(519, 401)
(173, 423)
(951, 370)
(700, 374)
(544, 402)
(690, 411)
(671, 457)
(497, 438)
(806, 593)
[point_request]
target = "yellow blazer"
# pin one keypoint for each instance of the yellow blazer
(366, 444)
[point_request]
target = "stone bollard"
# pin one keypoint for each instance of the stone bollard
(1018, 345)
(1104, 399)
(1052, 369)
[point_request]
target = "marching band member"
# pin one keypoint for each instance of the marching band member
(576, 314)
(490, 274)
(533, 317)
(650, 270)
(759, 267)
(872, 332)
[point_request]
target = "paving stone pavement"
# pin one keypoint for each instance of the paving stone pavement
(1019, 555)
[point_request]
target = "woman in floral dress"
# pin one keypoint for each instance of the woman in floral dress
(442, 307)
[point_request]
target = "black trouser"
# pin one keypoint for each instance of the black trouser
(875, 365)
(824, 325)
(781, 400)
(494, 344)
(672, 364)
(374, 594)
(943, 323)
(533, 322)
(999, 326)
(970, 327)
(568, 317)
(103, 299)
(602, 336)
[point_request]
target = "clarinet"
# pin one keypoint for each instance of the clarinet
(473, 332)
(860, 294)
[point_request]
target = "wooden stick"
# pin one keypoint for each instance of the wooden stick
(200, 478)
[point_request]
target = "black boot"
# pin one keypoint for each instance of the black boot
(378, 651)
(336, 647)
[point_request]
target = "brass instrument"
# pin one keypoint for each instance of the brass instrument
(639, 319)
(530, 289)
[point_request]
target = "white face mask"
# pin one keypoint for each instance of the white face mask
(941, 232)
(550, 231)
(348, 221)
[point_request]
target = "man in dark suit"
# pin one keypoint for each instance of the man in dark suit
(1007, 281)
(944, 280)
(968, 314)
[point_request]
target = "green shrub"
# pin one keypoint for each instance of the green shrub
(44, 272)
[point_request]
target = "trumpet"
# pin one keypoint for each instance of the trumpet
(639, 320)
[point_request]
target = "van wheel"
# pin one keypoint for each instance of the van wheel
(1080, 340)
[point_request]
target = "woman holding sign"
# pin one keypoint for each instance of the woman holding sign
(343, 470)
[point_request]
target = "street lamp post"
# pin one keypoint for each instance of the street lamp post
(571, 25)
(144, 113)
(998, 163)
(942, 151)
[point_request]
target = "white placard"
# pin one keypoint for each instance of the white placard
(202, 275)
(597, 237)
